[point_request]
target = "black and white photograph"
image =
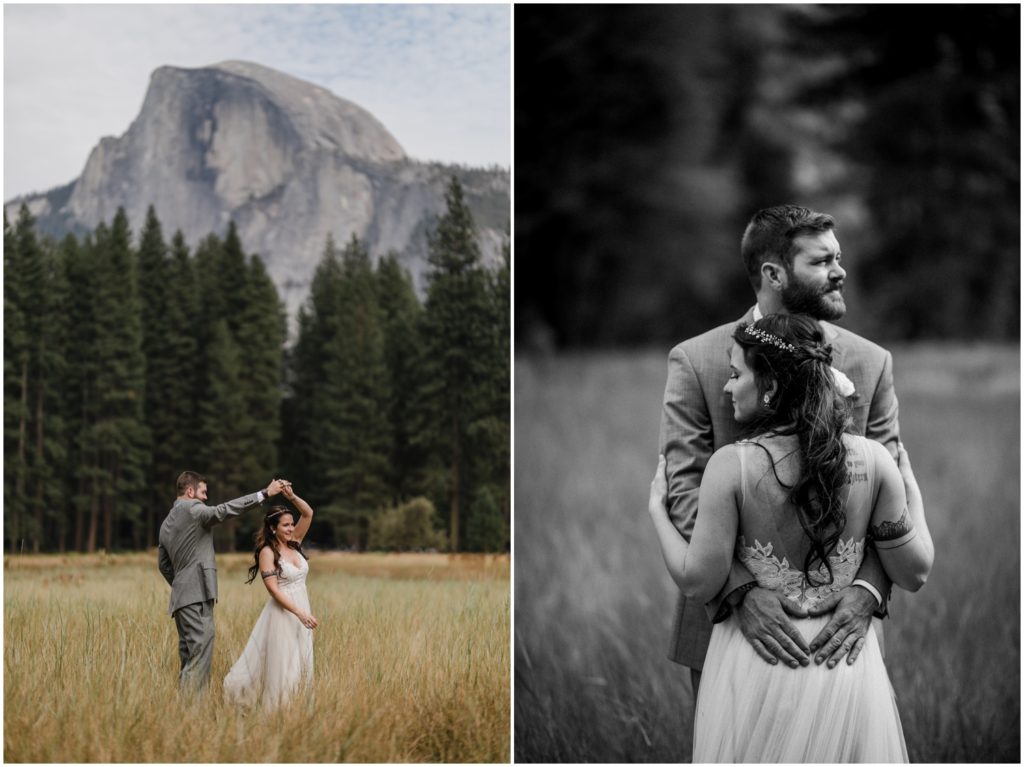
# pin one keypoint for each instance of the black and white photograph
(767, 383)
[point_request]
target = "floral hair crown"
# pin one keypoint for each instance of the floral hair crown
(768, 338)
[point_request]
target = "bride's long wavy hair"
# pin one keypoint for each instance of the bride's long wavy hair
(806, 403)
(266, 536)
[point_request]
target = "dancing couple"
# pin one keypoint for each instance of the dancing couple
(786, 508)
(277, 662)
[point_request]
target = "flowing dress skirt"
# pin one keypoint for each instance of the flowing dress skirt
(278, 658)
(750, 711)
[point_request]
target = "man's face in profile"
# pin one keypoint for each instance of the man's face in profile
(814, 283)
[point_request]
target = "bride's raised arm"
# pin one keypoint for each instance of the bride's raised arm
(305, 513)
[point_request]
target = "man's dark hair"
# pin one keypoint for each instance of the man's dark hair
(189, 479)
(769, 236)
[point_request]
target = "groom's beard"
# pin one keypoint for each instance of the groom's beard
(800, 298)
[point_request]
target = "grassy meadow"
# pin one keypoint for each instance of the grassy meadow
(411, 662)
(594, 602)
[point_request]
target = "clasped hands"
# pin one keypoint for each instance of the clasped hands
(281, 486)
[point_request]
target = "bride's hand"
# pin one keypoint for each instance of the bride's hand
(659, 490)
(307, 620)
(287, 490)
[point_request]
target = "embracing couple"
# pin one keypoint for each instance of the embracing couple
(786, 508)
(278, 658)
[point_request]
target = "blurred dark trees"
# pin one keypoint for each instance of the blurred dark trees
(646, 136)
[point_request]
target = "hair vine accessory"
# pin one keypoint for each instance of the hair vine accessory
(768, 338)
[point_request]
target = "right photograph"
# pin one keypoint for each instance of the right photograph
(767, 384)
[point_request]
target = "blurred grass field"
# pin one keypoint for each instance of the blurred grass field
(594, 602)
(411, 662)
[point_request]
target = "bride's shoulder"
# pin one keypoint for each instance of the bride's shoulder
(724, 463)
(868, 447)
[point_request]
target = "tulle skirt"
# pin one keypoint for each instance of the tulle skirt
(750, 711)
(277, 662)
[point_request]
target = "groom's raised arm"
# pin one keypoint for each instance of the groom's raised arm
(687, 441)
(214, 515)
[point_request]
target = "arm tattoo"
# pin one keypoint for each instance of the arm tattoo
(267, 573)
(890, 531)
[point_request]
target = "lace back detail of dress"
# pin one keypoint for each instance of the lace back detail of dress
(762, 521)
(772, 573)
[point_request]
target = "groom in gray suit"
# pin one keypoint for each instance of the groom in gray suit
(792, 259)
(187, 564)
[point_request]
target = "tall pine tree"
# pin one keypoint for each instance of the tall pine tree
(49, 393)
(17, 346)
(317, 322)
(489, 527)
(350, 426)
(457, 343)
(154, 293)
(401, 313)
(177, 397)
(260, 336)
(116, 435)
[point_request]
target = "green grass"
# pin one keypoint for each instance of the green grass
(594, 602)
(411, 664)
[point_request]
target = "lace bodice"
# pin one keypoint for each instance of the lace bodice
(291, 575)
(780, 576)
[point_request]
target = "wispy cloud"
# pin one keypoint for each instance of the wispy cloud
(437, 76)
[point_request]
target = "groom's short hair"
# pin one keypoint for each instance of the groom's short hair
(188, 479)
(769, 236)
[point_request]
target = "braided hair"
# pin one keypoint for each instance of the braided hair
(790, 349)
(266, 536)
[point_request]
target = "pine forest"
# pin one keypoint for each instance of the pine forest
(128, 362)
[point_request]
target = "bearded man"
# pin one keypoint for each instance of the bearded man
(793, 261)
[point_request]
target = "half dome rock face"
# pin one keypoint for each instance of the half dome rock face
(320, 118)
(288, 161)
(210, 140)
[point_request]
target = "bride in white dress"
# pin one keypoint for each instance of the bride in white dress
(278, 658)
(796, 503)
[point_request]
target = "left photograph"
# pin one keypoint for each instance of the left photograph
(257, 401)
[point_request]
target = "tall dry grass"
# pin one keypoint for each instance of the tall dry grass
(411, 664)
(594, 602)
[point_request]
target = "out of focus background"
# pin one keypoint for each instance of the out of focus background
(646, 137)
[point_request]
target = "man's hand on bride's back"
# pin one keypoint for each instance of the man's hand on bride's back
(764, 620)
(846, 633)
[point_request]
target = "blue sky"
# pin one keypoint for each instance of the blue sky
(437, 76)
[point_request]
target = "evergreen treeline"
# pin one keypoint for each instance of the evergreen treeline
(124, 365)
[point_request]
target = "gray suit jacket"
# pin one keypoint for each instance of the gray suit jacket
(186, 548)
(697, 419)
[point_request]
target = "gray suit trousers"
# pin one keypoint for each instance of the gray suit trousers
(195, 645)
